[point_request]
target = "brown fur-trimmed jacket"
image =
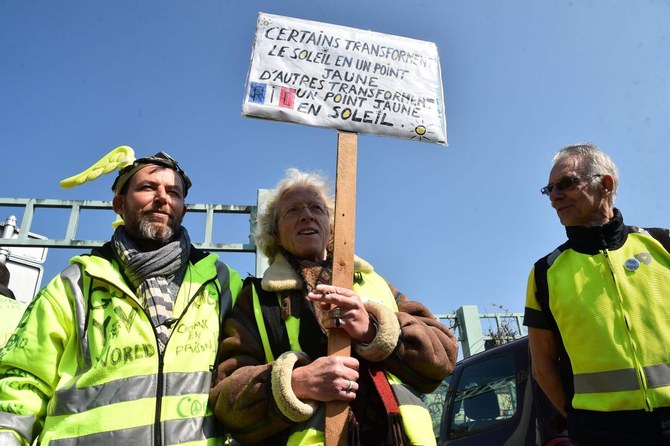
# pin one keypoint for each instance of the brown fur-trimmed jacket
(422, 353)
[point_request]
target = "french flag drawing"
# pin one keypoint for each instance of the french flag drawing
(276, 95)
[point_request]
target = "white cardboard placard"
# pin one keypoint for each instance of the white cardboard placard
(344, 78)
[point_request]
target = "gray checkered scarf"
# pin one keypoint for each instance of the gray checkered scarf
(156, 275)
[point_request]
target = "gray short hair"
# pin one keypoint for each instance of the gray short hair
(593, 161)
(266, 232)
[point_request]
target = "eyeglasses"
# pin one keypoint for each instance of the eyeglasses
(295, 211)
(566, 183)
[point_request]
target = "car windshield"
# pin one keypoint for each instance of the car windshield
(486, 396)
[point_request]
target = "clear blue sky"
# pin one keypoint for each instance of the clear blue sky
(449, 226)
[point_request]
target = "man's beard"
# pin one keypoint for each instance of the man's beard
(148, 230)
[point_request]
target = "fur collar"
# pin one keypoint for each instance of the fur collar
(280, 276)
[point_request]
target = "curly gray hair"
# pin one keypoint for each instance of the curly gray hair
(266, 232)
(593, 161)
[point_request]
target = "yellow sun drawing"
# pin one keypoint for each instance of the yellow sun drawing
(421, 132)
(263, 23)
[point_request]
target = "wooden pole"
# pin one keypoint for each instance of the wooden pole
(337, 412)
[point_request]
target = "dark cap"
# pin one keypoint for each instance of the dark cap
(4, 282)
(4, 291)
(159, 159)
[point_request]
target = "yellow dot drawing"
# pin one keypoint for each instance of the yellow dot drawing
(264, 23)
(421, 132)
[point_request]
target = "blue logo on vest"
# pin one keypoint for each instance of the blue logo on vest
(632, 264)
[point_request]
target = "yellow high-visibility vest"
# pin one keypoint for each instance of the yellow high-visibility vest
(95, 373)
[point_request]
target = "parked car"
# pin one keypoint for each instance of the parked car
(493, 400)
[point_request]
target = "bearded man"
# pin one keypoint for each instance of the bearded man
(119, 348)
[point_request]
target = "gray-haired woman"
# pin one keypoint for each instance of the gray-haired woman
(275, 373)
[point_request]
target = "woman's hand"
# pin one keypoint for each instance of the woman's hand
(348, 312)
(327, 378)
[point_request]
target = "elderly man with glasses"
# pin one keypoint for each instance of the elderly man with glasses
(597, 310)
(119, 348)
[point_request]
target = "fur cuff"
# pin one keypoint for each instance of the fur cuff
(388, 333)
(289, 404)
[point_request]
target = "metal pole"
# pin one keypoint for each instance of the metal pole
(8, 231)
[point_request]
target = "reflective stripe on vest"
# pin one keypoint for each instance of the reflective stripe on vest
(622, 380)
(75, 400)
(21, 424)
(174, 432)
(657, 375)
(72, 276)
(9, 439)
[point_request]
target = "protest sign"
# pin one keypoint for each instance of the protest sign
(352, 80)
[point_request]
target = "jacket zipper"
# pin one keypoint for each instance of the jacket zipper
(159, 399)
(638, 370)
(159, 389)
(160, 377)
(161, 363)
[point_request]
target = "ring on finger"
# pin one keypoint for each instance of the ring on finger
(350, 388)
(338, 322)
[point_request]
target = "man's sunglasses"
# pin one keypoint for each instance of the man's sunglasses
(566, 183)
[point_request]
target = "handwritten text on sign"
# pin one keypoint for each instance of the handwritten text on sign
(344, 78)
